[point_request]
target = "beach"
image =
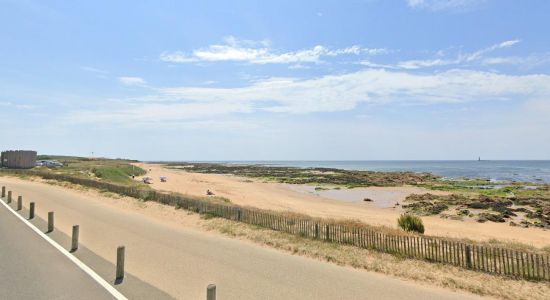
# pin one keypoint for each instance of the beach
(335, 204)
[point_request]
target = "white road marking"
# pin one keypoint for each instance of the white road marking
(71, 257)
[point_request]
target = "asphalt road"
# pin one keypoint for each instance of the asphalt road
(31, 268)
(182, 261)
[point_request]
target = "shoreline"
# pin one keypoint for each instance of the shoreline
(518, 171)
(275, 196)
(377, 196)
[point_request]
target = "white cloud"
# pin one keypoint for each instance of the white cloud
(132, 81)
(529, 61)
(342, 92)
(502, 61)
(298, 67)
(415, 3)
(324, 94)
(176, 57)
(93, 70)
(259, 52)
(460, 59)
(437, 5)
(479, 54)
(370, 64)
(153, 112)
(16, 105)
(426, 63)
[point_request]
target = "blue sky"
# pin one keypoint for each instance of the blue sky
(252, 80)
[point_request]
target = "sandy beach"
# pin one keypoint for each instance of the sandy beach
(337, 204)
(171, 251)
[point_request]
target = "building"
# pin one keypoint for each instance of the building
(18, 159)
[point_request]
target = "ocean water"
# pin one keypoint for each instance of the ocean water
(536, 171)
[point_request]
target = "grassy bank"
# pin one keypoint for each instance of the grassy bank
(420, 271)
(118, 171)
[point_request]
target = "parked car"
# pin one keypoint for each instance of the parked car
(49, 163)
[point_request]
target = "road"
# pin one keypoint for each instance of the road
(182, 261)
(31, 268)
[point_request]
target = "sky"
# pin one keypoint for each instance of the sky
(277, 80)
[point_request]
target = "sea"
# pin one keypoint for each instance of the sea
(534, 171)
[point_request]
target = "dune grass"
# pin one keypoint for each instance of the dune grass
(425, 273)
(410, 223)
(118, 171)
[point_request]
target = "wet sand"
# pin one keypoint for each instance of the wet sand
(381, 197)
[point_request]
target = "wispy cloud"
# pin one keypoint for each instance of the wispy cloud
(93, 70)
(460, 59)
(135, 81)
(260, 52)
(16, 105)
(324, 94)
(371, 64)
(479, 54)
(526, 62)
(437, 5)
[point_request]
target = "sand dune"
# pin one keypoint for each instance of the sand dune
(281, 197)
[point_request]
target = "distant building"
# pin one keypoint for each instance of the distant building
(18, 159)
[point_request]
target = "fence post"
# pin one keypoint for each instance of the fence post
(468, 256)
(3, 191)
(50, 221)
(9, 197)
(211, 292)
(74, 244)
(119, 263)
(20, 203)
(316, 231)
(239, 215)
(327, 234)
(31, 210)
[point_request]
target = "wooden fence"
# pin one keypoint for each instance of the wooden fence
(507, 262)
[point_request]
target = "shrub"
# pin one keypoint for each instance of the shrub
(410, 223)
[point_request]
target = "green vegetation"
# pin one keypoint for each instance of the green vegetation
(117, 171)
(528, 207)
(410, 223)
(222, 199)
(314, 176)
